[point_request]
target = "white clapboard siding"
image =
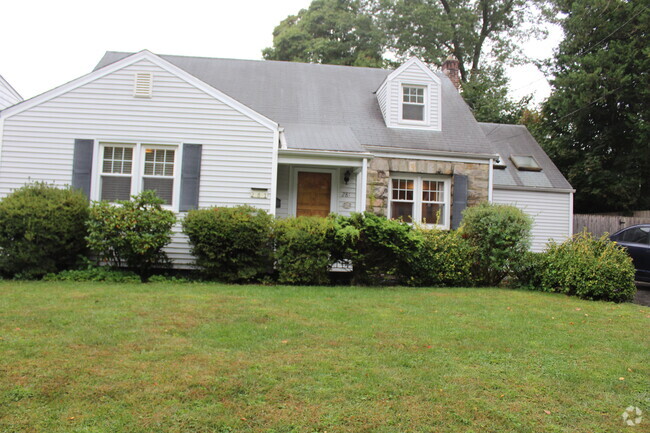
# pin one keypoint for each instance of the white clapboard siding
(37, 144)
(550, 211)
(414, 75)
(382, 98)
(8, 96)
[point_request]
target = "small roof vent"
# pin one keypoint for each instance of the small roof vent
(143, 85)
(499, 163)
(525, 163)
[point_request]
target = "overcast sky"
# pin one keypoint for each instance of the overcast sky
(47, 43)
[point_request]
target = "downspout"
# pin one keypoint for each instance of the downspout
(570, 214)
(490, 180)
(364, 185)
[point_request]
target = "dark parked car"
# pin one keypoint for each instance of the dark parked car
(636, 240)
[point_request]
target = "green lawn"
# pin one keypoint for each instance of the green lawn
(93, 357)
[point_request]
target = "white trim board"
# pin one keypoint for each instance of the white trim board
(127, 61)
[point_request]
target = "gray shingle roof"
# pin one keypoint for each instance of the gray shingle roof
(508, 140)
(339, 98)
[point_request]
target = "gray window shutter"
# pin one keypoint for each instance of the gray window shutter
(190, 177)
(82, 165)
(459, 200)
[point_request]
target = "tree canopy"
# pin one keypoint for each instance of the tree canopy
(470, 29)
(596, 123)
(336, 32)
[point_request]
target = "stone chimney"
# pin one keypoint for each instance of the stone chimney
(450, 68)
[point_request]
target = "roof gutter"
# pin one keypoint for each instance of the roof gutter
(533, 188)
(325, 153)
(427, 152)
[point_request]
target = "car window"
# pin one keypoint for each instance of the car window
(639, 235)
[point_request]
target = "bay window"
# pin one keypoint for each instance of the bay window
(420, 199)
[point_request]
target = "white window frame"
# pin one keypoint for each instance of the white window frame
(137, 170)
(417, 197)
(425, 112)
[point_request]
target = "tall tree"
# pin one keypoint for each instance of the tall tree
(470, 29)
(596, 123)
(486, 93)
(335, 32)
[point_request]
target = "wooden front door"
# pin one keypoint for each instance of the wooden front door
(314, 194)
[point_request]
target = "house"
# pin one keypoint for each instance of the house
(8, 96)
(290, 138)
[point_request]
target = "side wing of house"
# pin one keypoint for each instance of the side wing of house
(8, 95)
(551, 212)
(525, 177)
(141, 126)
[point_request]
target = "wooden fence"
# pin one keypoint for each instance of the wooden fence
(599, 224)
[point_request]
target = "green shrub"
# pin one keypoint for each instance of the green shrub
(231, 244)
(500, 235)
(132, 233)
(378, 248)
(94, 273)
(589, 268)
(443, 258)
(527, 272)
(41, 230)
(303, 249)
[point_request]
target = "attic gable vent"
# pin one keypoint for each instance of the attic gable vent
(143, 85)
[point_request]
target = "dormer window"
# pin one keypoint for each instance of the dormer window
(413, 103)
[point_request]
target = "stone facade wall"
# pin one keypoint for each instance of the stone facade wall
(380, 169)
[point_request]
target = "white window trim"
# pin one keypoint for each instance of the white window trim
(427, 102)
(417, 195)
(137, 170)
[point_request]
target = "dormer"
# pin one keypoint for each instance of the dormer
(410, 97)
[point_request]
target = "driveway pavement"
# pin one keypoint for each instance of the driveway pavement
(642, 294)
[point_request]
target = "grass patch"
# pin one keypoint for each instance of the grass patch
(165, 357)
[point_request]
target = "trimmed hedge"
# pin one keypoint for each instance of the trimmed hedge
(132, 234)
(231, 244)
(41, 230)
(378, 248)
(500, 235)
(442, 258)
(590, 268)
(303, 250)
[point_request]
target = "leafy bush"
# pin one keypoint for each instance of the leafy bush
(500, 235)
(132, 233)
(231, 244)
(41, 230)
(442, 258)
(303, 250)
(527, 272)
(378, 248)
(589, 268)
(94, 273)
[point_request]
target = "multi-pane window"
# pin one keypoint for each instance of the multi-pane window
(402, 199)
(158, 172)
(419, 199)
(117, 168)
(128, 169)
(413, 103)
(433, 202)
